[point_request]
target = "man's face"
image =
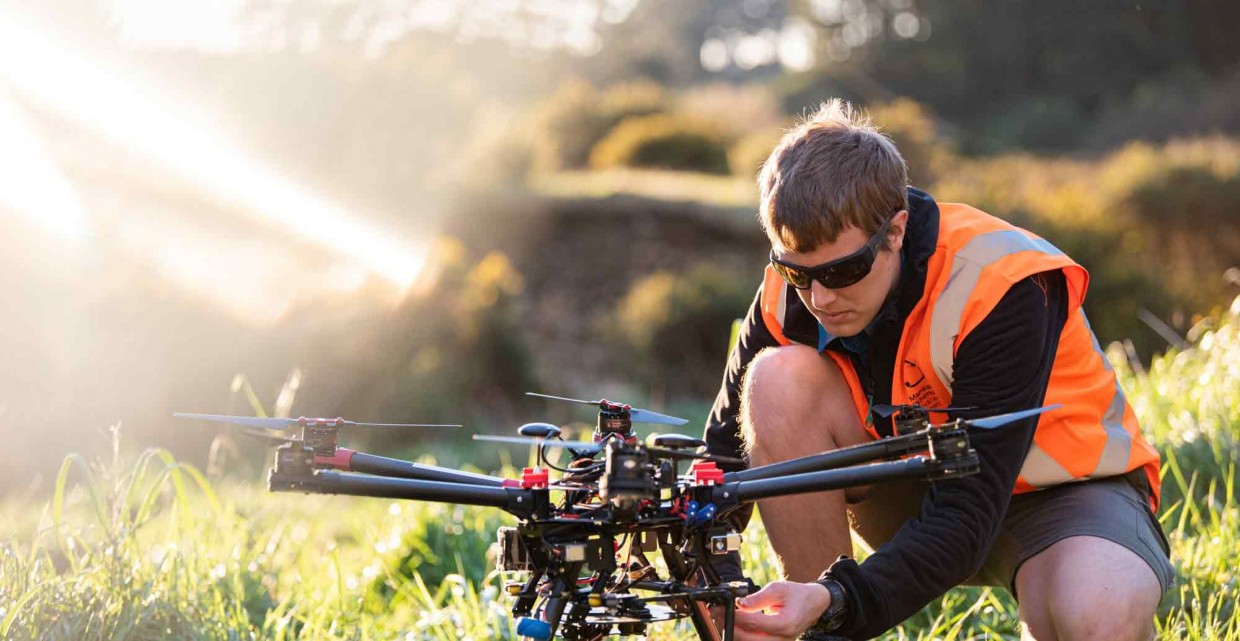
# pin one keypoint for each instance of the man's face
(848, 310)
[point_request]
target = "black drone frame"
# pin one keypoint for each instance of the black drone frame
(582, 584)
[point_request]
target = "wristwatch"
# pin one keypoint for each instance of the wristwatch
(836, 612)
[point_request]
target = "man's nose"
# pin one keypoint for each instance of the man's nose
(820, 296)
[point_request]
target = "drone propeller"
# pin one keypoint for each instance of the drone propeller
(638, 415)
(589, 448)
(991, 422)
(285, 423)
(883, 410)
(585, 447)
(681, 454)
(268, 436)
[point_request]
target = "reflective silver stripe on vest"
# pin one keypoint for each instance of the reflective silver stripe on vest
(1040, 470)
(967, 266)
(1114, 458)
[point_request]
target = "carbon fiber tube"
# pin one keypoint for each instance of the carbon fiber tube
(329, 482)
(853, 455)
(745, 491)
(396, 468)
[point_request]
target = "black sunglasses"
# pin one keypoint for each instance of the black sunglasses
(834, 274)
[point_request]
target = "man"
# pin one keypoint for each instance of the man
(877, 294)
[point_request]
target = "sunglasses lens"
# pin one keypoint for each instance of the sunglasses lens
(846, 273)
(795, 277)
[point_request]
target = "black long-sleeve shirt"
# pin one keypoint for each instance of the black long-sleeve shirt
(1002, 365)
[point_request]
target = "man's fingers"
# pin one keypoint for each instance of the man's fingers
(771, 595)
(769, 624)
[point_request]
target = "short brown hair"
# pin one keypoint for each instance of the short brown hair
(830, 172)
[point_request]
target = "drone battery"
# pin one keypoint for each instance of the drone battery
(513, 556)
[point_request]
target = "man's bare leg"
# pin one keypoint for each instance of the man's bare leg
(795, 402)
(1086, 588)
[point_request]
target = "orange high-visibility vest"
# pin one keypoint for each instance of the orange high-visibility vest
(976, 260)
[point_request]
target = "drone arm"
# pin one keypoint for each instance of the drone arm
(882, 449)
(328, 482)
(396, 468)
(732, 494)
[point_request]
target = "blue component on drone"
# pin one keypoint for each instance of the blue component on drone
(705, 514)
(691, 509)
(534, 629)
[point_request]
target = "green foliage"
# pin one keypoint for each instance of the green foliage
(1185, 208)
(734, 109)
(148, 550)
(916, 135)
(663, 141)
(445, 541)
(1155, 225)
(1050, 124)
(457, 341)
(571, 121)
(747, 156)
(1050, 69)
(1189, 406)
(675, 328)
(1185, 102)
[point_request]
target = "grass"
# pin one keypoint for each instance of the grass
(148, 548)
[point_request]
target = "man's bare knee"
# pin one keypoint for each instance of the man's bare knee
(1086, 589)
(793, 392)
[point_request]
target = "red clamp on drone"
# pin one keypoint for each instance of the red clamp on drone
(705, 473)
(534, 478)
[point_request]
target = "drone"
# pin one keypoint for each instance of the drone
(579, 558)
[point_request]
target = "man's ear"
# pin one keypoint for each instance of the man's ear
(895, 231)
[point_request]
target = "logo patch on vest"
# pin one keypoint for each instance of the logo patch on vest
(920, 376)
(920, 391)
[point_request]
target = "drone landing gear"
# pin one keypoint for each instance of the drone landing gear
(704, 623)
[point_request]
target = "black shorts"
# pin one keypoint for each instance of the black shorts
(1116, 509)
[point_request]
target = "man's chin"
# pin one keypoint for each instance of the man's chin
(845, 325)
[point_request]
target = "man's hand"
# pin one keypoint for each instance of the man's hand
(781, 610)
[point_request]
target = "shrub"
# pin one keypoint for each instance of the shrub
(748, 155)
(915, 133)
(1044, 125)
(1155, 225)
(1183, 103)
(455, 343)
(737, 110)
(573, 119)
(1180, 200)
(665, 142)
(676, 327)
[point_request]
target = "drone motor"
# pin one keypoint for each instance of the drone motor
(293, 469)
(321, 434)
(614, 419)
(910, 420)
